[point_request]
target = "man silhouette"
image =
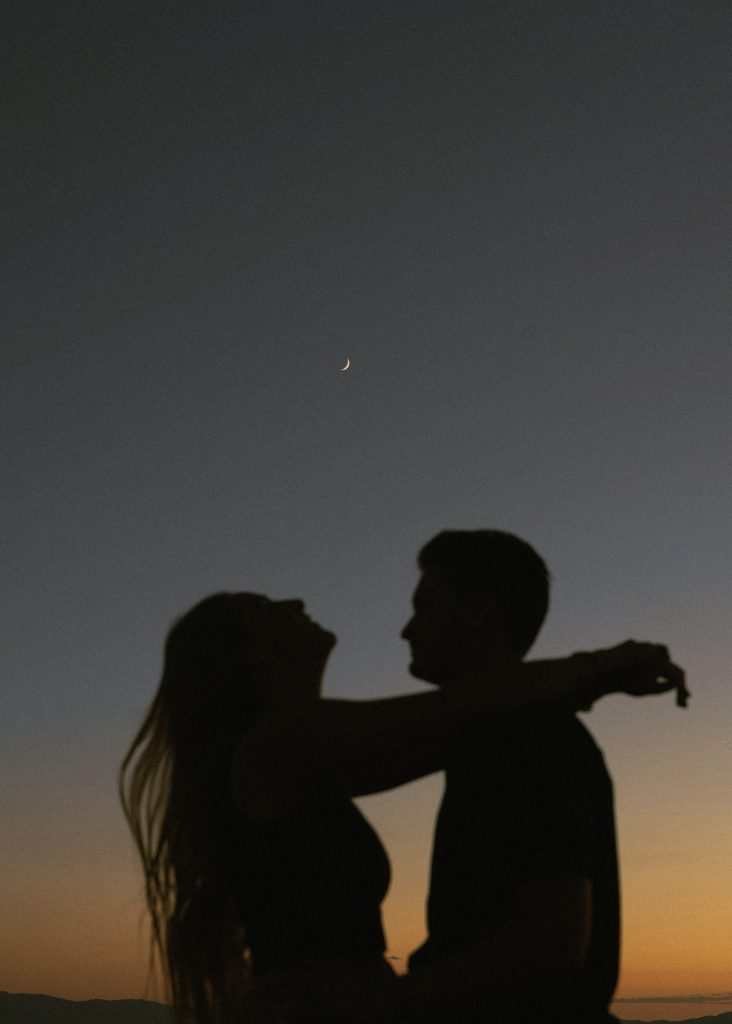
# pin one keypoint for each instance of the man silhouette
(523, 911)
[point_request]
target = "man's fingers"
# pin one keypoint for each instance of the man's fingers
(682, 693)
(647, 669)
(673, 678)
(661, 684)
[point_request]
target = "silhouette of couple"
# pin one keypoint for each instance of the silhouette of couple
(263, 880)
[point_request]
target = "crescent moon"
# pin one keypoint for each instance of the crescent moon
(348, 363)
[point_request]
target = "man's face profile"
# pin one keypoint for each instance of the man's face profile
(439, 631)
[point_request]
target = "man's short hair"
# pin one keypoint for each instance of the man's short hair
(474, 563)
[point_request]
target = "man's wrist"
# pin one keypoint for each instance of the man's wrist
(596, 681)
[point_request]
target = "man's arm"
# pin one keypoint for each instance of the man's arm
(544, 943)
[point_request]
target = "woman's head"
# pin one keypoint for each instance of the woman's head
(230, 651)
(224, 659)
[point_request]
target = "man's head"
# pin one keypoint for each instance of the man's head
(480, 602)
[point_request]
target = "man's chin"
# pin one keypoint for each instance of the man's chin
(420, 672)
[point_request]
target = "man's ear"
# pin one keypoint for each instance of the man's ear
(486, 614)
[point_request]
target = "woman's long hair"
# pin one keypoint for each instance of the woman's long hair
(174, 791)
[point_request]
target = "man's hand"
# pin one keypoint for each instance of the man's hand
(639, 669)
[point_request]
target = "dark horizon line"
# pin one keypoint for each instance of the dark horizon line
(710, 998)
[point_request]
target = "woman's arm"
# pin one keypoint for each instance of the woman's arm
(362, 747)
(370, 746)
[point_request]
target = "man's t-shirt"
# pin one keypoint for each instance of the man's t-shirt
(524, 801)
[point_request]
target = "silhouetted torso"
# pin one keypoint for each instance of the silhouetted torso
(311, 886)
(529, 799)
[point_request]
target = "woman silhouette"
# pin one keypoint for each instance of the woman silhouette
(238, 790)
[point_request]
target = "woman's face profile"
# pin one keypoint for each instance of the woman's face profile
(285, 627)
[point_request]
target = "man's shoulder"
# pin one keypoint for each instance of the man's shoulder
(528, 745)
(561, 735)
(541, 725)
(568, 728)
(579, 746)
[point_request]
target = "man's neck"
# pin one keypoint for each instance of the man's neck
(493, 671)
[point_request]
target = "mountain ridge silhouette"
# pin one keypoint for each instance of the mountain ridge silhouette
(28, 1008)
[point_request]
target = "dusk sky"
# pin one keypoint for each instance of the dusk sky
(515, 219)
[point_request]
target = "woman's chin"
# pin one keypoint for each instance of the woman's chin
(324, 639)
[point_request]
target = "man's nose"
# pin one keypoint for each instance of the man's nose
(405, 632)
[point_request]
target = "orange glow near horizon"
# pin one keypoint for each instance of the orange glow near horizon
(102, 954)
(74, 925)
